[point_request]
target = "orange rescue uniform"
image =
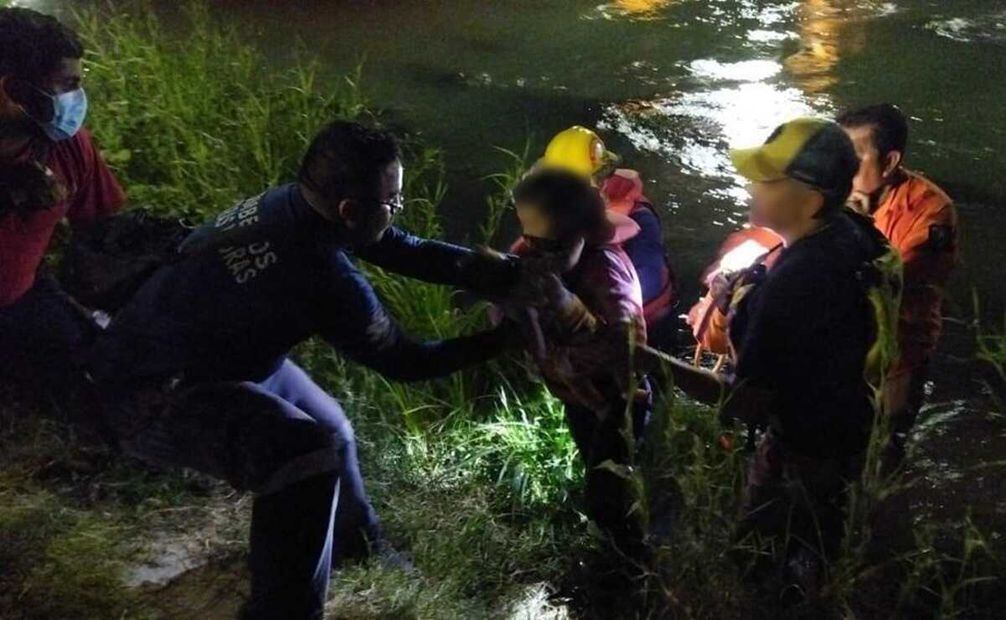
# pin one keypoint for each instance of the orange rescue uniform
(920, 221)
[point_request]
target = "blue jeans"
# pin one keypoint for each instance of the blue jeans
(284, 439)
(356, 523)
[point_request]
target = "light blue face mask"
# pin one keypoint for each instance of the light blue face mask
(68, 112)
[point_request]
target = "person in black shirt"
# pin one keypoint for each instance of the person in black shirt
(803, 336)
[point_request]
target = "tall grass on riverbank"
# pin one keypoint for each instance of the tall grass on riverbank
(475, 474)
(189, 119)
(470, 472)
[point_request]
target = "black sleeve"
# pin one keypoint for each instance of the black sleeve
(353, 320)
(440, 263)
(415, 257)
(787, 329)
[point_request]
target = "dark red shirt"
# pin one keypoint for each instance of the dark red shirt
(92, 191)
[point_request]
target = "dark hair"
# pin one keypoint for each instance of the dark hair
(834, 202)
(888, 124)
(347, 159)
(843, 166)
(32, 44)
(565, 197)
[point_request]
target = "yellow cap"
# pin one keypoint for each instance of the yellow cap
(578, 150)
(815, 151)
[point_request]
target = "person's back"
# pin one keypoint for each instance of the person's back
(233, 309)
(623, 193)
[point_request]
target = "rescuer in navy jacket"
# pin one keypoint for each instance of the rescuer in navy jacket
(195, 371)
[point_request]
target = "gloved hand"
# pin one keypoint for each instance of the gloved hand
(721, 290)
(528, 280)
(490, 274)
(539, 283)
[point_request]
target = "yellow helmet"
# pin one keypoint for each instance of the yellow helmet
(578, 150)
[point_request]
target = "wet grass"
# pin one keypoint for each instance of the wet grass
(475, 474)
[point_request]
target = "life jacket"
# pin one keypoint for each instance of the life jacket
(623, 194)
(758, 249)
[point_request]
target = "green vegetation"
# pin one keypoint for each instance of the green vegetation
(476, 474)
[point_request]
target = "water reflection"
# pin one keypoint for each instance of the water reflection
(726, 104)
(641, 10)
(828, 30)
(739, 104)
(990, 28)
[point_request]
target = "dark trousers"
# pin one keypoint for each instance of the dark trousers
(43, 337)
(905, 395)
(795, 501)
(662, 334)
(284, 439)
(356, 523)
(903, 419)
(610, 495)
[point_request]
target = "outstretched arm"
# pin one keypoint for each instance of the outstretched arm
(355, 322)
(440, 263)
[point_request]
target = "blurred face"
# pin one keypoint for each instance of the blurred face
(535, 224)
(367, 219)
(783, 205)
(874, 170)
(543, 236)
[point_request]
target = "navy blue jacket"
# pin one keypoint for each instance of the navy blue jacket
(232, 311)
(647, 253)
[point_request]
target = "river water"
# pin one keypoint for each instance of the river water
(672, 84)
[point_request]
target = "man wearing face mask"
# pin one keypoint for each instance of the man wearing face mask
(49, 170)
(195, 371)
(920, 220)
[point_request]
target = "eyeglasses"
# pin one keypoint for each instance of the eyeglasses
(394, 204)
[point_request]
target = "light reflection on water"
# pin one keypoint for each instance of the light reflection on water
(674, 83)
(735, 104)
(638, 10)
(986, 28)
(694, 129)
